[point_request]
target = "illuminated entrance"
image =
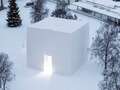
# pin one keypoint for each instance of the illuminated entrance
(48, 68)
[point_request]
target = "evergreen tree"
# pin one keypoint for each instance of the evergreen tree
(38, 12)
(13, 17)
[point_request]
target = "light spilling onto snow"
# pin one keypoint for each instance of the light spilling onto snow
(48, 69)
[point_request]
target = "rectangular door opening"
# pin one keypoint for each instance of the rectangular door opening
(48, 67)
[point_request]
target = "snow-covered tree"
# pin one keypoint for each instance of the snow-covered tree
(68, 1)
(106, 47)
(2, 5)
(61, 4)
(76, 0)
(61, 11)
(6, 74)
(13, 17)
(39, 12)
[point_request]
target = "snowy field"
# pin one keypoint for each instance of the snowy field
(13, 42)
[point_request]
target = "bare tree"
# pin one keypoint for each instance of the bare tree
(106, 47)
(6, 74)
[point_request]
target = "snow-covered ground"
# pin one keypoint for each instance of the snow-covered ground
(13, 42)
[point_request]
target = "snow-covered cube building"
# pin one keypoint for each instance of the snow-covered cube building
(65, 42)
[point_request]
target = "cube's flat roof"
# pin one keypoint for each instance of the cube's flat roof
(59, 24)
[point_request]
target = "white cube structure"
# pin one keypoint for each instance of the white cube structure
(66, 41)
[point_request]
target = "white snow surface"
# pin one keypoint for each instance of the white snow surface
(13, 42)
(59, 24)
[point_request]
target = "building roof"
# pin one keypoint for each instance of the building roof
(59, 24)
(109, 9)
(107, 3)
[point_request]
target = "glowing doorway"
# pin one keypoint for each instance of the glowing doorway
(48, 68)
